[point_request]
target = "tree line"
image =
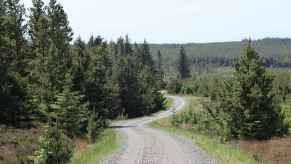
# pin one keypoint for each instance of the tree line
(274, 51)
(245, 104)
(74, 86)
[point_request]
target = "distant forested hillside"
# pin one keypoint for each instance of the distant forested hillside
(276, 51)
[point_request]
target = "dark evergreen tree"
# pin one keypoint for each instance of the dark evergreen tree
(183, 66)
(36, 12)
(70, 110)
(81, 62)
(146, 57)
(160, 62)
(135, 81)
(16, 29)
(96, 91)
(246, 105)
(13, 94)
(93, 42)
(39, 68)
(60, 34)
(254, 97)
(160, 71)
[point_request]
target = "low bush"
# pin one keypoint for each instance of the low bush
(54, 147)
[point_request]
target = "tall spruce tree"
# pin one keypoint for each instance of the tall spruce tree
(15, 13)
(80, 64)
(146, 57)
(183, 65)
(39, 35)
(125, 80)
(60, 34)
(160, 61)
(70, 110)
(96, 81)
(260, 113)
(160, 72)
(246, 106)
(13, 95)
(36, 12)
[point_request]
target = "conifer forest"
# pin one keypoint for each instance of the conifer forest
(65, 99)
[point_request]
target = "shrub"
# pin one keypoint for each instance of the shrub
(174, 86)
(95, 126)
(202, 122)
(54, 147)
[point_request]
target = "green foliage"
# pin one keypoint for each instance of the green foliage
(183, 66)
(70, 110)
(135, 87)
(107, 144)
(13, 97)
(15, 30)
(13, 90)
(54, 148)
(160, 71)
(174, 86)
(95, 127)
(281, 84)
(275, 51)
(286, 112)
(96, 92)
(45, 77)
(248, 105)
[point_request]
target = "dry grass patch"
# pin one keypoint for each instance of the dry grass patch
(274, 151)
(17, 145)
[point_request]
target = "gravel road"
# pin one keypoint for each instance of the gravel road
(143, 145)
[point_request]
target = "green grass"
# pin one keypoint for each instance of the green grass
(286, 109)
(169, 102)
(106, 144)
(225, 152)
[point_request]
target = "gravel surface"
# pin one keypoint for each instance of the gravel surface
(143, 145)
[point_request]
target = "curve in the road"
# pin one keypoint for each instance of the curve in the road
(143, 145)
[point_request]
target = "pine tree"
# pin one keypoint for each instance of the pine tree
(246, 106)
(145, 56)
(60, 34)
(70, 110)
(134, 80)
(151, 99)
(15, 13)
(183, 66)
(13, 95)
(160, 61)
(94, 42)
(36, 12)
(160, 72)
(4, 57)
(95, 84)
(126, 78)
(80, 64)
(39, 34)
(254, 97)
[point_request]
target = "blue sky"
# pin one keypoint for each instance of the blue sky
(179, 21)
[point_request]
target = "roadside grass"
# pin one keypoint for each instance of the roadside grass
(227, 153)
(105, 145)
(169, 102)
(286, 109)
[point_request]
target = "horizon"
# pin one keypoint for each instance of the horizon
(180, 22)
